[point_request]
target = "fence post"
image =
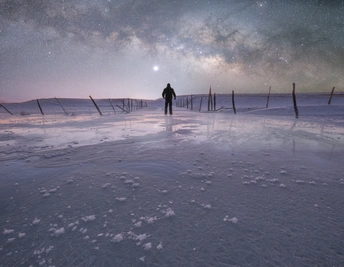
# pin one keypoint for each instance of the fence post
(94, 103)
(6, 109)
(112, 106)
(329, 101)
(294, 101)
(233, 102)
(191, 102)
(209, 99)
(215, 101)
(187, 102)
(200, 104)
(267, 101)
(40, 108)
(61, 106)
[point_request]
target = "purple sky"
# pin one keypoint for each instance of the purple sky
(122, 48)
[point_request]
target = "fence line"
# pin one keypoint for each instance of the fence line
(212, 100)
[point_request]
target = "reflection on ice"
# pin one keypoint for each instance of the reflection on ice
(233, 132)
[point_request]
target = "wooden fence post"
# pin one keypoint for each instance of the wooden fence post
(122, 109)
(294, 101)
(61, 106)
(94, 103)
(112, 106)
(200, 104)
(214, 101)
(187, 102)
(267, 101)
(191, 102)
(329, 101)
(233, 102)
(209, 99)
(40, 108)
(6, 109)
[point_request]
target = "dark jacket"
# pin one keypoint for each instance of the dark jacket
(168, 93)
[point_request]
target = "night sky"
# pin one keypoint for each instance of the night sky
(123, 48)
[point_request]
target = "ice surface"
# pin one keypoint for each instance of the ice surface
(259, 188)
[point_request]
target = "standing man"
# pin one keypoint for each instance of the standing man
(167, 94)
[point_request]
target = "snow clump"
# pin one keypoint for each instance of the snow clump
(88, 218)
(36, 221)
(147, 246)
(117, 238)
(169, 212)
(158, 247)
(138, 224)
(233, 220)
(20, 235)
(7, 231)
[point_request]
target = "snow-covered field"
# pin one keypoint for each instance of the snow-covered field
(259, 188)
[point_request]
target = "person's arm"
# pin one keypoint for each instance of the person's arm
(163, 94)
(174, 94)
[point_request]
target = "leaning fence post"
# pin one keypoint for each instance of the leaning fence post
(40, 108)
(329, 101)
(6, 109)
(61, 106)
(96, 106)
(112, 106)
(233, 103)
(294, 101)
(200, 104)
(267, 101)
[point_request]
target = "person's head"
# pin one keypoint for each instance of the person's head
(168, 85)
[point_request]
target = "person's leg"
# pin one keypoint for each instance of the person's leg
(171, 107)
(166, 103)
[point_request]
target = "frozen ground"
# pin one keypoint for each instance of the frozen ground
(259, 188)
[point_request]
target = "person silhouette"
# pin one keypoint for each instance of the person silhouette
(167, 94)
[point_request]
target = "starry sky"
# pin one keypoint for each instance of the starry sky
(126, 48)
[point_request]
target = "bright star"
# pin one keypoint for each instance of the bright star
(156, 68)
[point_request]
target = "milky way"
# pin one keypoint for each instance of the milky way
(123, 48)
